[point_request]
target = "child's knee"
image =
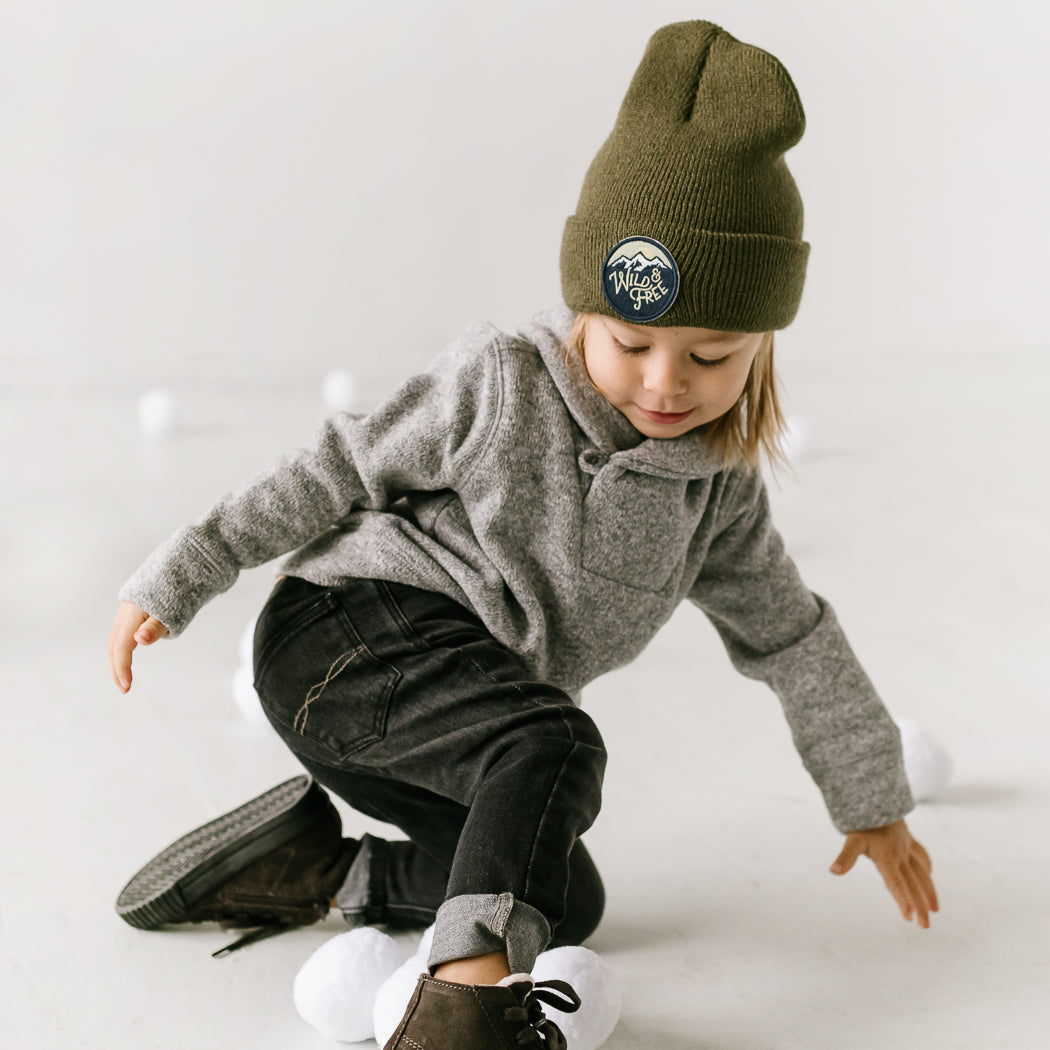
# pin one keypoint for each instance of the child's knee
(584, 754)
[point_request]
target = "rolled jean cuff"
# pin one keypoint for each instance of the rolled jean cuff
(478, 923)
(362, 897)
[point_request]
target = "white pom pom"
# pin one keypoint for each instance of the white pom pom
(795, 439)
(590, 1026)
(927, 764)
(246, 698)
(158, 412)
(336, 987)
(339, 391)
(393, 996)
(397, 989)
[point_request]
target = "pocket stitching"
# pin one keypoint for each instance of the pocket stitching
(314, 611)
(322, 605)
(382, 708)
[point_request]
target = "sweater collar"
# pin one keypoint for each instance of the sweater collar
(607, 427)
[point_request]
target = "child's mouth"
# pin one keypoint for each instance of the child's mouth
(665, 417)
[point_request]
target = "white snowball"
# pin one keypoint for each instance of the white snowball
(590, 1026)
(245, 696)
(336, 987)
(795, 441)
(393, 996)
(927, 763)
(339, 391)
(158, 412)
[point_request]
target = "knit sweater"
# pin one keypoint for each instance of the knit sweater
(501, 478)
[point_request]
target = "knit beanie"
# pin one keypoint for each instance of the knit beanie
(688, 214)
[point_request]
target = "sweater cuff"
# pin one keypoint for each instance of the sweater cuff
(868, 793)
(175, 581)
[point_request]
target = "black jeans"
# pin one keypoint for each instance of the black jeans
(399, 701)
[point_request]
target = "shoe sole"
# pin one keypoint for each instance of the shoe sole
(162, 892)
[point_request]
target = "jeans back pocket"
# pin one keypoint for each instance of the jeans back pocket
(321, 686)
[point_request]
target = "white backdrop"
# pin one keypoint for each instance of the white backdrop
(262, 187)
(229, 198)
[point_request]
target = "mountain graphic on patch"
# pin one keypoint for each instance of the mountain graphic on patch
(639, 261)
(640, 279)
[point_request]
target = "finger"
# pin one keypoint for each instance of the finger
(896, 883)
(925, 882)
(922, 855)
(848, 857)
(120, 662)
(150, 631)
(921, 867)
(121, 642)
(917, 896)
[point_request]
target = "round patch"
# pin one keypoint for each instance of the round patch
(640, 279)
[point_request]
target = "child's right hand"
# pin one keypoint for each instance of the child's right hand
(131, 627)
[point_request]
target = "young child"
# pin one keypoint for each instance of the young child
(512, 523)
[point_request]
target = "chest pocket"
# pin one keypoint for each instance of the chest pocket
(636, 527)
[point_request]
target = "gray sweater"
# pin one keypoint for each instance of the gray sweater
(501, 478)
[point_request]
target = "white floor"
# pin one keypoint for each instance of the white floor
(920, 510)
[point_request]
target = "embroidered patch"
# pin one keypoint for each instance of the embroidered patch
(640, 279)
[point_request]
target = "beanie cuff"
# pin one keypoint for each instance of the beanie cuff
(731, 282)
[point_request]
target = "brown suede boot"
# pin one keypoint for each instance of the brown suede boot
(275, 862)
(507, 1016)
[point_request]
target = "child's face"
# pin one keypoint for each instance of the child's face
(667, 381)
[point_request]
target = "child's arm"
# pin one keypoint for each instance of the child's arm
(425, 437)
(902, 862)
(776, 630)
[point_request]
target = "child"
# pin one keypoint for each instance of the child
(512, 523)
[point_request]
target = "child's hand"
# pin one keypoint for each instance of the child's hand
(903, 864)
(130, 628)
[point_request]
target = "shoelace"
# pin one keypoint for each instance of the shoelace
(270, 928)
(538, 1027)
(252, 937)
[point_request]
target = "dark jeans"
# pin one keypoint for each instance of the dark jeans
(398, 701)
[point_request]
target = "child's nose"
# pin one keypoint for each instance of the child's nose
(664, 377)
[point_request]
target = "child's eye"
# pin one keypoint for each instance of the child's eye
(625, 349)
(706, 362)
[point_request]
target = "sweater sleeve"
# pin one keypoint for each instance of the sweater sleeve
(779, 632)
(426, 437)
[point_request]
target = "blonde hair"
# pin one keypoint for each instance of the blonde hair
(752, 426)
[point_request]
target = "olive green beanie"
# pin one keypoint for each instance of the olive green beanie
(688, 214)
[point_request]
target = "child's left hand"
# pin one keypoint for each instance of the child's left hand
(903, 864)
